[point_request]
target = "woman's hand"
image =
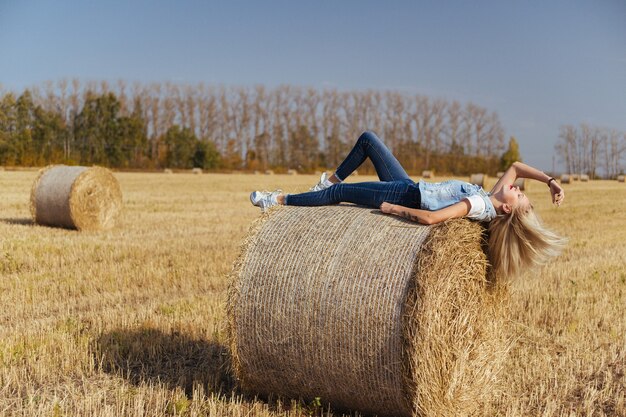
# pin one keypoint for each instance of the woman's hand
(387, 208)
(558, 195)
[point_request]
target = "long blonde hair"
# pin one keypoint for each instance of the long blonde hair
(518, 241)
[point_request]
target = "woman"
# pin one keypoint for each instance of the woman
(517, 239)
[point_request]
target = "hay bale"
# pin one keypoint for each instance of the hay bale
(292, 172)
(428, 174)
(76, 197)
(584, 178)
(269, 172)
(620, 178)
(395, 318)
(478, 179)
(566, 179)
(196, 171)
(168, 171)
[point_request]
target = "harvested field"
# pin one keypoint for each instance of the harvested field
(129, 321)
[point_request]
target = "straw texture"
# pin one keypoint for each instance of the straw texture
(565, 179)
(327, 302)
(76, 197)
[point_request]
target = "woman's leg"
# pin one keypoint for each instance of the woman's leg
(370, 146)
(371, 194)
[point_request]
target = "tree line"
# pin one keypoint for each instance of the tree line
(158, 125)
(590, 149)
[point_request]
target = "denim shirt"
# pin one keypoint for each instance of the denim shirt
(438, 195)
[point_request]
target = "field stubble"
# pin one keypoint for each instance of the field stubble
(130, 321)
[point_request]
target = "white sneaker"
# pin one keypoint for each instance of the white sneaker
(264, 199)
(322, 185)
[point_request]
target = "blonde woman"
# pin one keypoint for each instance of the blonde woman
(517, 239)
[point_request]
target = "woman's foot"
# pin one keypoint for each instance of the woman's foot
(265, 199)
(325, 182)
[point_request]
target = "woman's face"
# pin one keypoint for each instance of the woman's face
(514, 198)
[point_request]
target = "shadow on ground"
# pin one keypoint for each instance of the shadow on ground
(174, 359)
(23, 221)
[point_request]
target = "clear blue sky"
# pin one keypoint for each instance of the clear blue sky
(539, 64)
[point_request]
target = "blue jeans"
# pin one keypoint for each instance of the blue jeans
(395, 186)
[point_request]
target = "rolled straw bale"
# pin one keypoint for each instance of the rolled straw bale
(269, 172)
(366, 311)
(76, 197)
(292, 172)
(566, 179)
(168, 171)
(584, 178)
(478, 179)
(428, 174)
(196, 171)
(620, 178)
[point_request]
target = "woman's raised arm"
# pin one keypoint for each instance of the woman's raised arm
(521, 170)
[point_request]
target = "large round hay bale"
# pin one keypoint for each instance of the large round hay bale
(584, 178)
(428, 174)
(566, 179)
(620, 178)
(478, 179)
(76, 197)
(367, 311)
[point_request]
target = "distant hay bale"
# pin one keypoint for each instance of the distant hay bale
(395, 317)
(584, 178)
(521, 183)
(478, 179)
(292, 172)
(196, 171)
(428, 174)
(620, 178)
(499, 174)
(566, 179)
(76, 197)
(269, 172)
(168, 171)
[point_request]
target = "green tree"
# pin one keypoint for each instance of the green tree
(206, 155)
(97, 131)
(133, 139)
(7, 129)
(49, 135)
(511, 155)
(181, 147)
(22, 138)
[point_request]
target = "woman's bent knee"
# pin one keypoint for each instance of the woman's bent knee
(368, 136)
